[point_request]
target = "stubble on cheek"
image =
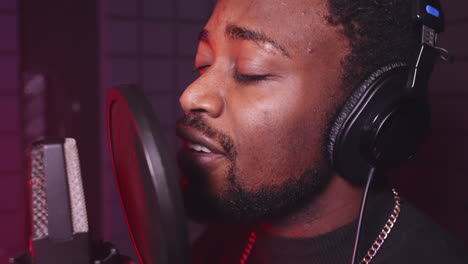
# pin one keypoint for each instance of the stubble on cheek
(276, 152)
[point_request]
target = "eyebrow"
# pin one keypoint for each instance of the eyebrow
(234, 32)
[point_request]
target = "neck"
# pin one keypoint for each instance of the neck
(337, 205)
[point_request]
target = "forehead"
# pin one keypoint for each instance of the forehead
(297, 24)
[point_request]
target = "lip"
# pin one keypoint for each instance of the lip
(191, 135)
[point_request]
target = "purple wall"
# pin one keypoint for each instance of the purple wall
(12, 218)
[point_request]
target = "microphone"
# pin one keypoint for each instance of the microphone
(59, 228)
(59, 231)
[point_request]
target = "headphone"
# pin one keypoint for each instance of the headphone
(385, 119)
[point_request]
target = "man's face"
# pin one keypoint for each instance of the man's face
(257, 116)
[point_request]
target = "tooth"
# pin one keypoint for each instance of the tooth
(197, 147)
(204, 149)
(201, 148)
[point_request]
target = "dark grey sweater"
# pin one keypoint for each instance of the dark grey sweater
(414, 239)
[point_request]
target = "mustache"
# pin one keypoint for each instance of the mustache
(197, 122)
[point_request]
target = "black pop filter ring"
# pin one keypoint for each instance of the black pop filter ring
(145, 177)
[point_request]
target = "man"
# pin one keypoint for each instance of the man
(273, 76)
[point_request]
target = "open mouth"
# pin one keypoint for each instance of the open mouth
(200, 156)
(197, 142)
(199, 152)
(197, 147)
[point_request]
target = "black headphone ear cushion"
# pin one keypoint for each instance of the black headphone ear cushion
(350, 104)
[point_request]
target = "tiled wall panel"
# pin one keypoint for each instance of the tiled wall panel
(12, 196)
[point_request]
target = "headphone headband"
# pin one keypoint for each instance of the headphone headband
(427, 14)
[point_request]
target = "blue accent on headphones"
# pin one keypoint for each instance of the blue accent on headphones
(432, 11)
(429, 13)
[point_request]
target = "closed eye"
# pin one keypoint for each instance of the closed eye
(247, 78)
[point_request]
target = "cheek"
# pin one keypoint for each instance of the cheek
(278, 135)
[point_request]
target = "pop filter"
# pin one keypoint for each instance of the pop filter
(145, 177)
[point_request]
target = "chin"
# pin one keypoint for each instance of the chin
(236, 204)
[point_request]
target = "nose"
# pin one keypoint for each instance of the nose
(202, 96)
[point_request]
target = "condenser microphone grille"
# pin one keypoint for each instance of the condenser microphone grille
(38, 194)
(75, 186)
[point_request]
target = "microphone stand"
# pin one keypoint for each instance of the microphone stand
(102, 253)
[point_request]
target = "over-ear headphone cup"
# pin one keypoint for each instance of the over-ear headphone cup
(341, 118)
(384, 88)
(396, 135)
(352, 101)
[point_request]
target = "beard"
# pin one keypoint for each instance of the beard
(236, 203)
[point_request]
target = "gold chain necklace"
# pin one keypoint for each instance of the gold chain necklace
(372, 250)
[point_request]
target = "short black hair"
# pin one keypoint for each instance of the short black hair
(379, 32)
